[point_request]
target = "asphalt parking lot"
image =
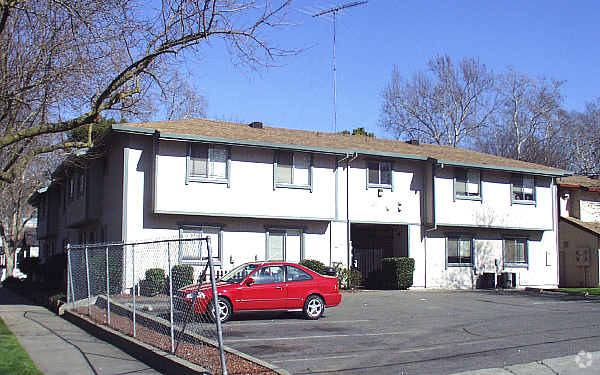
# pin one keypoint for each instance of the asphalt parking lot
(421, 332)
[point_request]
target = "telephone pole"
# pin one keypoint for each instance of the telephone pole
(334, 11)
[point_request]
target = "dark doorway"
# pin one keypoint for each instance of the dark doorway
(373, 242)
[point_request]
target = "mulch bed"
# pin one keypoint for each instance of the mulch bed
(201, 354)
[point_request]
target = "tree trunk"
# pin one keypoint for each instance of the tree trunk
(10, 253)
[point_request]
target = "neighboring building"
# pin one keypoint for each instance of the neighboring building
(579, 231)
(275, 193)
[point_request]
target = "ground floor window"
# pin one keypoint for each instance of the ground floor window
(196, 252)
(284, 244)
(515, 251)
(459, 251)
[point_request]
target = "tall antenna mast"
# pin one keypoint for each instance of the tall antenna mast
(334, 11)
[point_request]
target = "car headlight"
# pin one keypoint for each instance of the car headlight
(195, 295)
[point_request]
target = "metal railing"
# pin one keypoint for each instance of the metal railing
(150, 290)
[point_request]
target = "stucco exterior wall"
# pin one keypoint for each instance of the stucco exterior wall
(495, 208)
(572, 273)
(541, 270)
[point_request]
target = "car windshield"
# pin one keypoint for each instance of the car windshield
(238, 274)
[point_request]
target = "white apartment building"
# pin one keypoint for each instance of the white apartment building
(274, 193)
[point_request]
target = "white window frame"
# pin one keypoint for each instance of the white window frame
(460, 237)
(285, 234)
(526, 254)
(467, 197)
(293, 185)
(203, 258)
(522, 201)
(216, 180)
(380, 185)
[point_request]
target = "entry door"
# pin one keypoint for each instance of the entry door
(268, 292)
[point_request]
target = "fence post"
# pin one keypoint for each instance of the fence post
(171, 296)
(107, 289)
(87, 271)
(69, 273)
(216, 304)
(134, 291)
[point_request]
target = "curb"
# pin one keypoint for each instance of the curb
(562, 293)
(156, 358)
(142, 318)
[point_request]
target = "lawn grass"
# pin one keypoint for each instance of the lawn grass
(15, 360)
(581, 290)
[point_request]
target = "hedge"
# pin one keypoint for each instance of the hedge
(397, 273)
(154, 282)
(183, 275)
(314, 265)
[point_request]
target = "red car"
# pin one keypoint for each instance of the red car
(264, 286)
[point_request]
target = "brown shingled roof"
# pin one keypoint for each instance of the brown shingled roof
(243, 132)
(589, 226)
(580, 181)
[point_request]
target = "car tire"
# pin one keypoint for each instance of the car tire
(313, 307)
(224, 306)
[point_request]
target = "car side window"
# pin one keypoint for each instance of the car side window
(269, 275)
(296, 274)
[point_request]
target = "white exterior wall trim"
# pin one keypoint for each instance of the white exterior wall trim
(494, 227)
(217, 214)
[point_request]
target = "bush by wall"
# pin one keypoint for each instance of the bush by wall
(314, 265)
(183, 275)
(154, 282)
(397, 273)
(348, 278)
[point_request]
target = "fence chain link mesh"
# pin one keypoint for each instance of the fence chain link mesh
(139, 289)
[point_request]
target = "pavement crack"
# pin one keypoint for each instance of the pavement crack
(549, 368)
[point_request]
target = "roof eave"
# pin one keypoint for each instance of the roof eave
(538, 172)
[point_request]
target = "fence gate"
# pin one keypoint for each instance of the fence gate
(368, 260)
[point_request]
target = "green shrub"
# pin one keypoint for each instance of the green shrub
(348, 278)
(397, 273)
(183, 275)
(314, 265)
(154, 282)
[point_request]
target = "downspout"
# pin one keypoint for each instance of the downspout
(336, 197)
(434, 218)
(348, 235)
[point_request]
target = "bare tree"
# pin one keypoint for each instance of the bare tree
(445, 105)
(62, 64)
(584, 140)
(529, 122)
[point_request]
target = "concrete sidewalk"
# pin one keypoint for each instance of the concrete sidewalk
(578, 364)
(58, 347)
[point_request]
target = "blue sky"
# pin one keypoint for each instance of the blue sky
(542, 38)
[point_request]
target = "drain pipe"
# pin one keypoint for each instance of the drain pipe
(348, 235)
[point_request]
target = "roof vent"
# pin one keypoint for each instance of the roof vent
(256, 125)
(414, 142)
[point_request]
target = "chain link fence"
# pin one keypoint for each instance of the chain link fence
(152, 291)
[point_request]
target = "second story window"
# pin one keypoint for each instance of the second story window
(292, 169)
(379, 174)
(467, 184)
(208, 163)
(523, 189)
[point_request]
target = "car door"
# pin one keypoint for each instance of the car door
(268, 292)
(299, 283)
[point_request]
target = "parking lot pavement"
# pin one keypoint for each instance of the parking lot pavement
(421, 332)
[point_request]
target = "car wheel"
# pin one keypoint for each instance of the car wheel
(313, 307)
(225, 310)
